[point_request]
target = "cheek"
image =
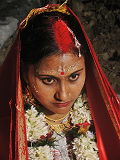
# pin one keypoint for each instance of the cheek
(33, 83)
(80, 84)
(41, 91)
(38, 89)
(83, 79)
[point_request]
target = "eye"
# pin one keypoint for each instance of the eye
(74, 77)
(48, 81)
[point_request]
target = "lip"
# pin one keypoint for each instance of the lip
(61, 104)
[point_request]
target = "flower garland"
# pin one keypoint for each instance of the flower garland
(41, 142)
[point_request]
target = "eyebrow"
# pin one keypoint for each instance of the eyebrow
(56, 77)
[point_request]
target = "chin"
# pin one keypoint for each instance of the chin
(63, 110)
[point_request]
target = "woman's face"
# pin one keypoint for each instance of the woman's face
(57, 81)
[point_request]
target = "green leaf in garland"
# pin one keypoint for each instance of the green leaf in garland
(73, 133)
(43, 142)
(27, 106)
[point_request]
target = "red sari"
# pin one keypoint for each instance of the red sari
(105, 107)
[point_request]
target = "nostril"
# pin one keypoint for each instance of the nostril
(57, 99)
(61, 95)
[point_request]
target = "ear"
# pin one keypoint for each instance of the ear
(24, 72)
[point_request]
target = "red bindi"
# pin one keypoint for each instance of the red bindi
(62, 73)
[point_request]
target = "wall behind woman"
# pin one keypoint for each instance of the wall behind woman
(12, 12)
(101, 21)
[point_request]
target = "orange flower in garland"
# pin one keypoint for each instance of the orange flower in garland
(77, 130)
(84, 127)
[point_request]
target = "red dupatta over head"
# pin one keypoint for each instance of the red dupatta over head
(105, 105)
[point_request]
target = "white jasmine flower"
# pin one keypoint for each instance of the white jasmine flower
(40, 153)
(35, 125)
(80, 112)
(85, 148)
(90, 135)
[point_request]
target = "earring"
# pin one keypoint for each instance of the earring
(68, 94)
(29, 97)
(28, 93)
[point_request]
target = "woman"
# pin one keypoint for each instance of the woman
(45, 117)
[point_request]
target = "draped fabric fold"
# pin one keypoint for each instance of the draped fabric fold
(13, 143)
(104, 103)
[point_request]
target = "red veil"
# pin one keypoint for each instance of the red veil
(104, 103)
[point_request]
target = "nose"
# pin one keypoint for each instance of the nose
(62, 93)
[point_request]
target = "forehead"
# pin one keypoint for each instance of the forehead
(59, 62)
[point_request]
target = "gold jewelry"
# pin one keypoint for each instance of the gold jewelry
(63, 5)
(49, 8)
(59, 127)
(68, 94)
(28, 96)
(28, 92)
(56, 120)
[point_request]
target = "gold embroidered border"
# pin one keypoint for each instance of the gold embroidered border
(22, 148)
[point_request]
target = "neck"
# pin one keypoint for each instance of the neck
(55, 117)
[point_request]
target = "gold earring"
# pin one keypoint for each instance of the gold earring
(28, 92)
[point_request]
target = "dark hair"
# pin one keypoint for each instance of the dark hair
(38, 39)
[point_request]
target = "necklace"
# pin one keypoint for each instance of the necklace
(59, 127)
(56, 120)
